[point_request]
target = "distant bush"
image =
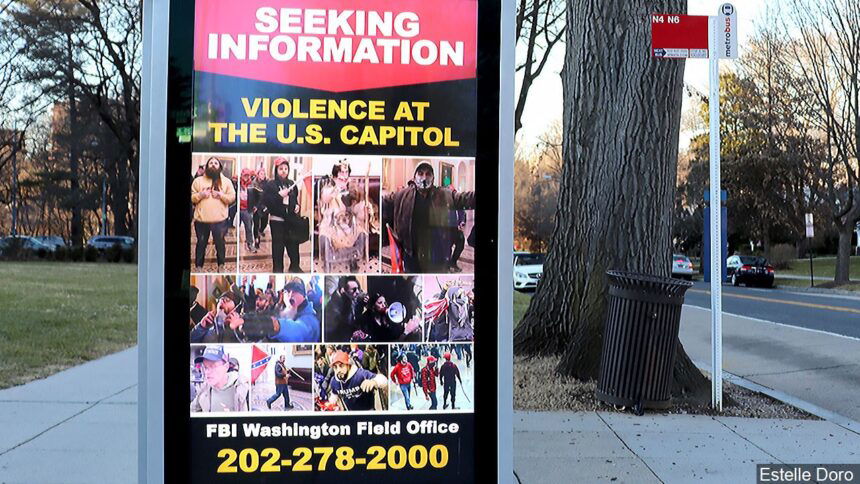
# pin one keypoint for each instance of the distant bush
(61, 254)
(128, 255)
(91, 254)
(14, 250)
(113, 253)
(781, 255)
(76, 254)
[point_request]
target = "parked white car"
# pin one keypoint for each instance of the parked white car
(528, 270)
(682, 267)
(11, 243)
(53, 241)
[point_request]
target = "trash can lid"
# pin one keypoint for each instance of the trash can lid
(666, 286)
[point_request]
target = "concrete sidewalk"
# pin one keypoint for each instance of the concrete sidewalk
(814, 366)
(613, 447)
(77, 426)
(80, 426)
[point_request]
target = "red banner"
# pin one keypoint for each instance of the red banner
(322, 45)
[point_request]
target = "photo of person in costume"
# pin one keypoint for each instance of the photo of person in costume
(347, 214)
(449, 308)
(427, 213)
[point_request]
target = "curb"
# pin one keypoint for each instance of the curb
(833, 417)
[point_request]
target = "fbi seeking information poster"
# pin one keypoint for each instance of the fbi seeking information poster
(332, 251)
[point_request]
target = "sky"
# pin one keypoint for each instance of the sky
(545, 96)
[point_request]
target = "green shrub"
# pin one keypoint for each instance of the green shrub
(76, 254)
(781, 255)
(91, 254)
(14, 250)
(114, 253)
(60, 254)
(128, 255)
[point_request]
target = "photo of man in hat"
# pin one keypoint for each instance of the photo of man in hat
(282, 309)
(296, 322)
(355, 388)
(422, 217)
(222, 390)
(214, 326)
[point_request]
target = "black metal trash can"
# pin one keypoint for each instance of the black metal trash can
(640, 339)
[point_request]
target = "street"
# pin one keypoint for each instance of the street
(831, 313)
(804, 345)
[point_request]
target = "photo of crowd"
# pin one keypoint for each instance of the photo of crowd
(423, 374)
(375, 309)
(428, 215)
(256, 308)
(449, 308)
(213, 213)
(309, 272)
(281, 377)
(346, 215)
(275, 208)
(351, 377)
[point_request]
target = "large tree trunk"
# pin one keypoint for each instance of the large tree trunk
(621, 122)
(845, 223)
(843, 254)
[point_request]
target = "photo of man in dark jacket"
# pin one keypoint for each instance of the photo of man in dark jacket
(281, 198)
(422, 218)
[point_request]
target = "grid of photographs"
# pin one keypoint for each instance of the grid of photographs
(331, 283)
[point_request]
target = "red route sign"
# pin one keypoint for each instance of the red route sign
(679, 36)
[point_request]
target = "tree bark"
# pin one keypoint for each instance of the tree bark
(622, 112)
(843, 254)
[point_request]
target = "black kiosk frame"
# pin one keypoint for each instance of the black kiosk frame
(171, 445)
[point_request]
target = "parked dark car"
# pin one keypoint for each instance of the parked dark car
(104, 242)
(749, 270)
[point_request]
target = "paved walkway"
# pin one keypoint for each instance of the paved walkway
(77, 426)
(80, 426)
(613, 447)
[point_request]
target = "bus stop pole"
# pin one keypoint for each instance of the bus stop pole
(716, 222)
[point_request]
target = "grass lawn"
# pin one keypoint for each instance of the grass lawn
(786, 283)
(57, 315)
(821, 267)
(521, 303)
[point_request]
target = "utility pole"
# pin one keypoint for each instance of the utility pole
(104, 206)
(14, 191)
